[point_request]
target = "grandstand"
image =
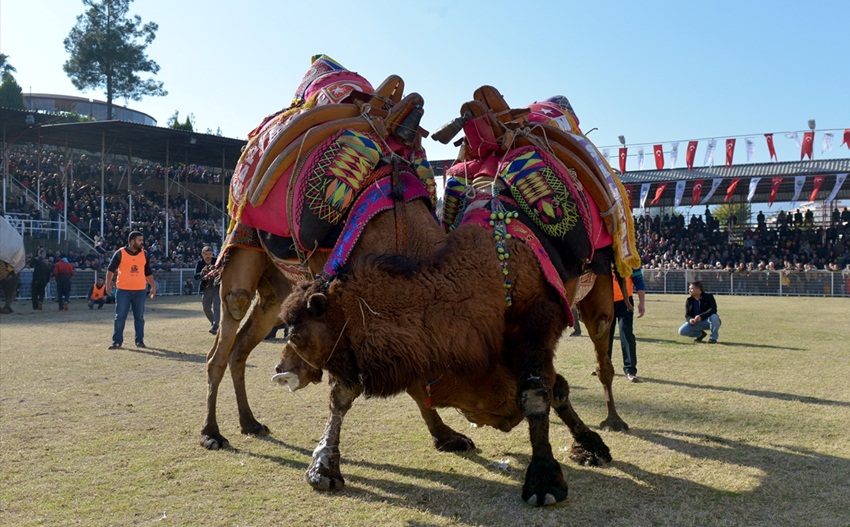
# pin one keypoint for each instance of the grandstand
(76, 189)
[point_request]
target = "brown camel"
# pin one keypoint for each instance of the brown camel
(534, 157)
(469, 328)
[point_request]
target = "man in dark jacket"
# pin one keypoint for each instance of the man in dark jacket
(210, 299)
(41, 273)
(700, 315)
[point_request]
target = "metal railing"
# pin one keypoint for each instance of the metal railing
(765, 283)
(168, 283)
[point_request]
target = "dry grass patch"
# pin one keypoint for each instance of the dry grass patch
(751, 431)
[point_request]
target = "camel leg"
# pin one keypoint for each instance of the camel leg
(445, 439)
(588, 447)
(238, 284)
(324, 473)
(272, 289)
(597, 313)
(544, 481)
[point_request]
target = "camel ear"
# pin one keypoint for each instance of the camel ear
(317, 304)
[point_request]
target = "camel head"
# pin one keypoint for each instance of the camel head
(312, 336)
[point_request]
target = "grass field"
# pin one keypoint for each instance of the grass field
(752, 431)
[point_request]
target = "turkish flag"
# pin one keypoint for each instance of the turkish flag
(774, 188)
(697, 191)
(623, 159)
(846, 140)
(731, 189)
(659, 157)
(818, 182)
(658, 192)
(808, 143)
(629, 196)
(691, 154)
(730, 151)
(769, 138)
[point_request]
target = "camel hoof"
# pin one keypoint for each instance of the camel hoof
(589, 450)
(324, 478)
(458, 443)
(214, 442)
(544, 483)
(614, 425)
(256, 429)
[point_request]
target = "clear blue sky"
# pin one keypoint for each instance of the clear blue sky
(654, 71)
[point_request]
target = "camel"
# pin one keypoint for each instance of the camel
(473, 327)
(518, 150)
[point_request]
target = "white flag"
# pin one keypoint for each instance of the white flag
(644, 192)
(640, 158)
(714, 184)
(827, 142)
(680, 191)
(799, 181)
(751, 149)
(795, 137)
(605, 153)
(839, 180)
(753, 184)
(709, 153)
(674, 153)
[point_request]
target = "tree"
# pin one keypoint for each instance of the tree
(188, 125)
(11, 94)
(5, 67)
(108, 50)
(734, 216)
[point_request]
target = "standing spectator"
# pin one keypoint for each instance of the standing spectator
(97, 294)
(700, 314)
(130, 265)
(576, 322)
(41, 273)
(63, 271)
(625, 320)
(210, 297)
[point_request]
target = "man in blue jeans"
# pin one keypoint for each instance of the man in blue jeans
(700, 315)
(624, 319)
(130, 265)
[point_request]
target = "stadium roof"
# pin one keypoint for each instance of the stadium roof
(153, 143)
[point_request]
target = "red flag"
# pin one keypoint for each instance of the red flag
(846, 140)
(730, 151)
(818, 182)
(623, 159)
(629, 196)
(659, 157)
(731, 189)
(774, 188)
(691, 154)
(808, 143)
(658, 192)
(770, 148)
(697, 191)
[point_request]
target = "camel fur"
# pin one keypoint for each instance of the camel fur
(442, 331)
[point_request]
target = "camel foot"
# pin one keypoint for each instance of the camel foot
(214, 441)
(255, 429)
(614, 424)
(454, 443)
(589, 450)
(323, 473)
(544, 483)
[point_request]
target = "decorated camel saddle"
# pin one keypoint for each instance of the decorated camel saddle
(312, 175)
(532, 173)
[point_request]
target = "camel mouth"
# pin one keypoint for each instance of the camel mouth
(288, 379)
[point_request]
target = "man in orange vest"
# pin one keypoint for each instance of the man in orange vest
(97, 294)
(130, 265)
(625, 320)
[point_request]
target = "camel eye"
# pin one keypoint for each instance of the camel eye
(295, 336)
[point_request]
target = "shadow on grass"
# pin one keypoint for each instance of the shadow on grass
(162, 353)
(775, 468)
(755, 393)
(720, 343)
